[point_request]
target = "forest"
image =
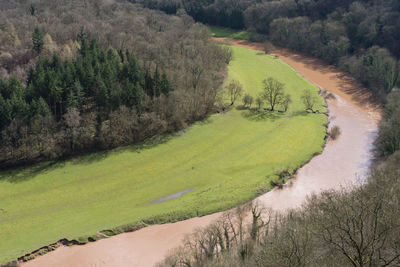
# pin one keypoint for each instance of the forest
(74, 79)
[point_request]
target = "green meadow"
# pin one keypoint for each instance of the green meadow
(228, 158)
(229, 33)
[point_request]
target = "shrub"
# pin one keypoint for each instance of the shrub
(268, 47)
(334, 132)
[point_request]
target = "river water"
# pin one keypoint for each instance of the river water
(343, 162)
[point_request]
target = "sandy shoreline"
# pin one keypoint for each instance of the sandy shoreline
(342, 162)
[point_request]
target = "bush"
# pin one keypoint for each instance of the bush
(247, 100)
(268, 47)
(334, 132)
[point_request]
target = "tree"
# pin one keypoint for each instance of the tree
(309, 100)
(32, 10)
(9, 36)
(268, 47)
(273, 92)
(235, 90)
(259, 102)
(388, 140)
(165, 84)
(72, 120)
(37, 40)
(247, 100)
(48, 46)
(286, 101)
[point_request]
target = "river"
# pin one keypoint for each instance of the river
(343, 162)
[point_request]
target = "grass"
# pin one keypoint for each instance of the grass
(228, 158)
(229, 33)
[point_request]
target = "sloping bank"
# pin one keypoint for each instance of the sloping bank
(343, 161)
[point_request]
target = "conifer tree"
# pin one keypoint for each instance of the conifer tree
(148, 83)
(165, 84)
(32, 10)
(157, 83)
(37, 40)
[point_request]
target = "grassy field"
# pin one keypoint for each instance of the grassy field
(229, 33)
(228, 159)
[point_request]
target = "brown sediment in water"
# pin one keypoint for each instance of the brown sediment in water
(343, 162)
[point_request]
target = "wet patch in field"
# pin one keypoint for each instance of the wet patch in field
(172, 196)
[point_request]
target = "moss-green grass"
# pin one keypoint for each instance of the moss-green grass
(229, 33)
(229, 158)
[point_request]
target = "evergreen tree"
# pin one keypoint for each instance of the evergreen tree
(157, 83)
(81, 36)
(37, 40)
(148, 84)
(138, 96)
(5, 113)
(32, 10)
(165, 84)
(39, 107)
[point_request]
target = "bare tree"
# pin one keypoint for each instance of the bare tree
(72, 120)
(259, 102)
(235, 90)
(309, 100)
(247, 100)
(286, 101)
(273, 92)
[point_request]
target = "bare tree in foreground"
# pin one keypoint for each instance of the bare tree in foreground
(235, 90)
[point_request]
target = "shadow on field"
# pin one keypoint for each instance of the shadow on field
(99, 156)
(153, 142)
(302, 113)
(27, 173)
(260, 115)
(91, 158)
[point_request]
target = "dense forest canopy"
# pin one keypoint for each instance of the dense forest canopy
(80, 76)
(362, 37)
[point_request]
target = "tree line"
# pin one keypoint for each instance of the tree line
(98, 76)
(272, 95)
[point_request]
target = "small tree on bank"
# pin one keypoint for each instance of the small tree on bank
(259, 102)
(286, 101)
(268, 47)
(273, 92)
(309, 100)
(235, 90)
(247, 100)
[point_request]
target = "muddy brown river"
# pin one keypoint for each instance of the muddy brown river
(343, 162)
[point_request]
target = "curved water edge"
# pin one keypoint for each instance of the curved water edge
(343, 162)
